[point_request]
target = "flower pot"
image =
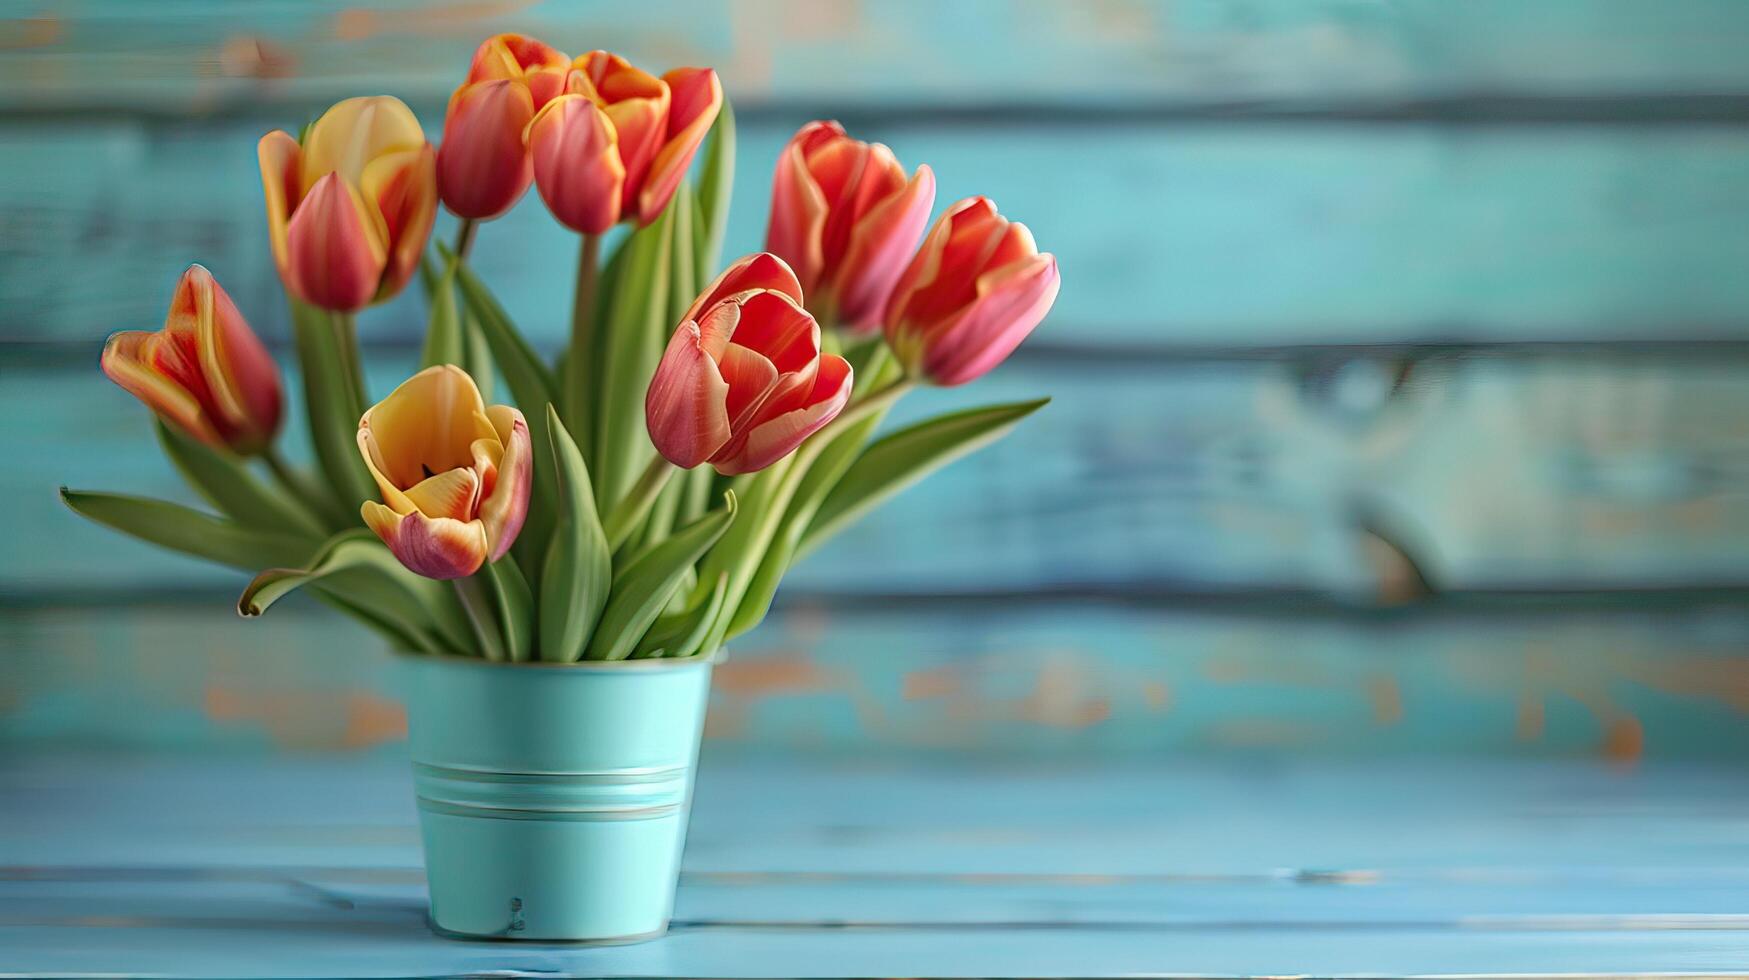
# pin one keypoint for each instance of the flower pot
(553, 798)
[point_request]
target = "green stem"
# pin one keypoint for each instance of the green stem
(477, 603)
(579, 356)
(300, 490)
(630, 511)
(346, 340)
(464, 237)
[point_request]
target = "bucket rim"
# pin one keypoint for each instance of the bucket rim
(657, 664)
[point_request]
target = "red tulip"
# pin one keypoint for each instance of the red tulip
(846, 219)
(973, 292)
(743, 381)
(454, 474)
(349, 209)
(483, 166)
(615, 144)
(206, 372)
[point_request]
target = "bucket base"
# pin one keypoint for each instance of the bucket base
(642, 937)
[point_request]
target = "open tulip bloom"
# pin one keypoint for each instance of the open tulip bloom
(647, 488)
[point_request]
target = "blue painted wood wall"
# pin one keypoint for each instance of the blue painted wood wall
(1401, 370)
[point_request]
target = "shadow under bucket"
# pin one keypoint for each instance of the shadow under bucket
(553, 798)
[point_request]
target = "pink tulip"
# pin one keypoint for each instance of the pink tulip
(206, 372)
(846, 219)
(973, 292)
(483, 166)
(743, 381)
(350, 208)
(454, 474)
(616, 143)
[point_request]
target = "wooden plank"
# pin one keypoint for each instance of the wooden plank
(1475, 473)
(1174, 235)
(1029, 681)
(1396, 869)
(194, 57)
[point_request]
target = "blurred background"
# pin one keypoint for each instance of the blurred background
(1401, 372)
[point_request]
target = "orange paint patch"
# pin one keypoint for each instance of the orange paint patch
(1625, 740)
(1532, 719)
(1156, 695)
(940, 682)
(789, 672)
(245, 56)
(1387, 700)
(311, 720)
(29, 32)
(360, 23)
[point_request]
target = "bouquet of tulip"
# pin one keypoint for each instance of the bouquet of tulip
(651, 485)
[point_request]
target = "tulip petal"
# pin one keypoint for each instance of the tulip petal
(1011, 302)
(439, 548)
(750, 376)
(697, 98)
(880, 245)
(684, 408)
(281, 187)
(505, 506)
(798, 205)
(513, 56)
(403, 187)
(761, 270)
(452, 493)
(576, 164)
(777, 437)
(776, 326)
(483, 166)
(240, 375)
(637, 103)
(335, 254)
(355, 132)
(426, 425)
(124, 362)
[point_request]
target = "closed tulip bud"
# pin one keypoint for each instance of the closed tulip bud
(206, 372)
(349, 209)
(615, 144)
(844, 216)
(743, 381)
(454, 474)
(483, 166)
(973, 292)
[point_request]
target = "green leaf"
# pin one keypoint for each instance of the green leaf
(896, 461)
(355, 567)
(649, 580)
(225, 481)
(332, 404)
(822, 476)
(190, 532)
(681, 634)
(530, 383)
(444, 343)
(578, 573)
(515, 607)
(715, 183)
(635, 337)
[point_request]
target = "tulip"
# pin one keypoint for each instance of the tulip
(973, 292)
(206, 372)
(743, 381)
(483, 166)
(846, 219)
(454, 474)
(615, 144)
(349, 209)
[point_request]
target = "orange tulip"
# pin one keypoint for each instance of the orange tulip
(615, 144)
(846, 219)
(743, 381)
(349, 210)
(483, 166)
(454, 474)
(206, 372)
(973, 292)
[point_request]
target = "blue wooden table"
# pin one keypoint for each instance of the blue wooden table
(119, 866)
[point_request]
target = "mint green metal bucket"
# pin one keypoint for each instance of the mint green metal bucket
(553, 798)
